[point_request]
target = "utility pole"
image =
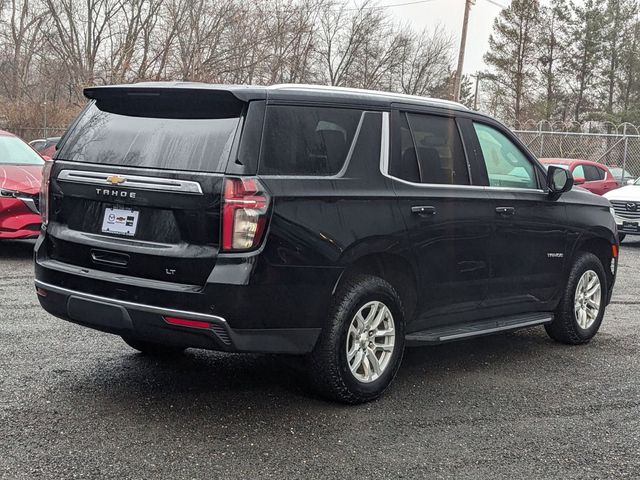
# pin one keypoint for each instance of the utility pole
(463, 44)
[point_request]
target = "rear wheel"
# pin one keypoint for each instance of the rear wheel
(361, 347)
(152, 348)
(582, 307)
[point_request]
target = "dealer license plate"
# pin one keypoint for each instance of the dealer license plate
(121, 221)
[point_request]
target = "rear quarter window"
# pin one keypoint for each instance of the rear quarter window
(312, 141)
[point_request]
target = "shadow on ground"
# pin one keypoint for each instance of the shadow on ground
(16, 249)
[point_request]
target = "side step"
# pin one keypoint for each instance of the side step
(462, 331)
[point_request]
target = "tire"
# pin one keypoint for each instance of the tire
(329, 368)
(621, 237)
(152, 348)
(569, 326)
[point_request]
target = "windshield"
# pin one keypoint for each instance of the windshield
(14, 151)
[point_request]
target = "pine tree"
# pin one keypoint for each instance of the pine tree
(512, 52)
(584, 52)
(551, 40)
(619, 22)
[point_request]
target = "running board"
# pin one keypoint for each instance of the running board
(475, 329)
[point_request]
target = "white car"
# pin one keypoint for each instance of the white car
(626, 206)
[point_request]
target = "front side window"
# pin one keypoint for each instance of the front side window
(307, 140)
(430, 151)
(506, 165)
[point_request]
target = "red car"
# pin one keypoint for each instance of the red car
(592, 176)
(20, 177)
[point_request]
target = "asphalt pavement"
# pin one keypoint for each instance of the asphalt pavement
(76, 403)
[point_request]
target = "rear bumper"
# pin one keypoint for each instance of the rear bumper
(147, 322)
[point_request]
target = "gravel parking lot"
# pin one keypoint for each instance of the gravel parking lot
(75, 403)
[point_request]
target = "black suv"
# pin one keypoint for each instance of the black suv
(342, 225)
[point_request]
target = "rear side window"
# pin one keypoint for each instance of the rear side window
(431, 151)
(307, 140)
(134, 139)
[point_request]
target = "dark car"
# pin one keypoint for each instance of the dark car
(340, 225)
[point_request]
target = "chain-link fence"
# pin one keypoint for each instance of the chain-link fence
(614, 150)
(28, 134)
(618, 149)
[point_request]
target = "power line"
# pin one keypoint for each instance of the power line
(493, 2)
(375, 7)
(415, 2)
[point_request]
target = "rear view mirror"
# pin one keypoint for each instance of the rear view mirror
(559, 180)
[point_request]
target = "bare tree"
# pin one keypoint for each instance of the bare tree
(22, 34)
(425, 61)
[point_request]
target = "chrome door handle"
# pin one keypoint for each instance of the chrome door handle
(424, 211)
(505, 211)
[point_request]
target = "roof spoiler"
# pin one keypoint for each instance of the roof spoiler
(166, 102)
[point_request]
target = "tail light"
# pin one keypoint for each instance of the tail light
(244, 213)
(44, 193)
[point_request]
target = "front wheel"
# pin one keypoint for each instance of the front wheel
(361, 347)
(621, 237)
(581, 309)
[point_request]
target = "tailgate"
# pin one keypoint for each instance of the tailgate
(169, 228)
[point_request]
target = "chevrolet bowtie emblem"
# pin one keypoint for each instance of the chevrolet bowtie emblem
(115, 179)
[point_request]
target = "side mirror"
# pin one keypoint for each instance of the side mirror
(559, 180)
(579, 181)
(630, 181)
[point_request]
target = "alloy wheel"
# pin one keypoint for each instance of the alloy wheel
(587, 299)
(370, 341)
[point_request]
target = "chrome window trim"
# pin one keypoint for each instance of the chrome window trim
(384, 145)
(131, 181)
(342, 170)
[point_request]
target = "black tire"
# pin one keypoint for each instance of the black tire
(565, 327)
(152, 348)
(329, 369)
(621, 236)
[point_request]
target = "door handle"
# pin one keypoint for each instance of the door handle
(110, 258)
(424, 211)
(505, 211)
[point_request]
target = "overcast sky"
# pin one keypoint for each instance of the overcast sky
(449, 13)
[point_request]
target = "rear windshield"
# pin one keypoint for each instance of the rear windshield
(307, 140)
(14, 151)
(195, 144)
